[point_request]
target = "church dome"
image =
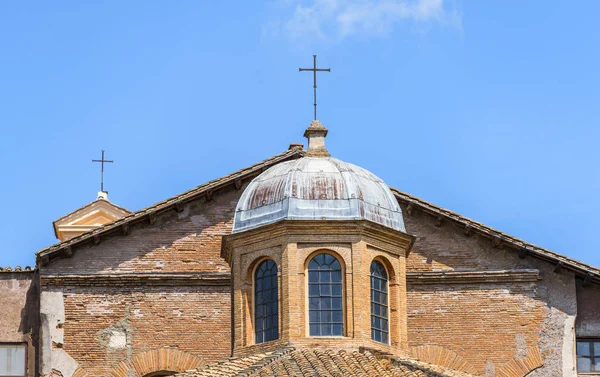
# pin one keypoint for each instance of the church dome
(317, 187)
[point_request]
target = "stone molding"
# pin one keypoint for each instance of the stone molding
(134, 280)
(473, 277)
(319, 231)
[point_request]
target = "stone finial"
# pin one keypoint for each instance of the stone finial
(315, 133)
(103, 195)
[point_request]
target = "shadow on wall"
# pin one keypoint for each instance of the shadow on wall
(30, 320)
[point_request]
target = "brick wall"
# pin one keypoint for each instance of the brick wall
(489, 322)
(105, 326)
(112, 311)
(18, 316)
(188, 241)
(487, 317)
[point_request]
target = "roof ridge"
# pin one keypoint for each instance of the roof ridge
(171, 202)
(436, 370)
(584, 269)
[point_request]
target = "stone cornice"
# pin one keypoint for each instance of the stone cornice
(473, 277)
(136, 279)
(268, 235)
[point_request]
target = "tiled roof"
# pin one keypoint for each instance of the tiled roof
(175, 202)
(586, 271)
(16, 269)
(322, 363)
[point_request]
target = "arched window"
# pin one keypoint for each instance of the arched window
(380, 329)
(325, 296)
(266, 319)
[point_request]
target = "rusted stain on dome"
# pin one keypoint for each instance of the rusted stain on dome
(317, 188)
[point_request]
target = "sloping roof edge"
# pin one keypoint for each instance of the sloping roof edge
(82, 208)
(88, 205)
(312, 361)
(118, 226)
(587, 272)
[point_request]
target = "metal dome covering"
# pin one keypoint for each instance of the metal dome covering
(317, 188)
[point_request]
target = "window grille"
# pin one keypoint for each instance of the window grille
(266, 319)
(380, 331)
(325, 296)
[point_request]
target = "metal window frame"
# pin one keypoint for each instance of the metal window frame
(594, 354)
(26, 346)
(387, 299)
(255, 303)
(341, 297)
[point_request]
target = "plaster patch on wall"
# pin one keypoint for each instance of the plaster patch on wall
(117, 339)
(113, 337)
(490, 369)
(521, 344)
(52, 305)
(63, 362)
(568, 350)
(556, 335)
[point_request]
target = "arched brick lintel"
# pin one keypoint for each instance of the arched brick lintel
(522, 366)
(162, 359)
(80, 372)
(443, 357)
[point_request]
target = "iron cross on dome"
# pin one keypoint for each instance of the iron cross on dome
(315, 70)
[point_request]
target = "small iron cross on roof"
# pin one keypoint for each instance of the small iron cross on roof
(315, 70)
(102, 161)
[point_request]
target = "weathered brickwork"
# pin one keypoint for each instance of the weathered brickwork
(104, 326)
(291, 245)
(18, 316)
(157, 296)
(186, 241)
(490, 321)
(122, 312)
(473, 321)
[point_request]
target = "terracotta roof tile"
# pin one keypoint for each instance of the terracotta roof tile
(322, 363)
(16, 269)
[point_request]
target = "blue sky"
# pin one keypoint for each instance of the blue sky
(490, 109)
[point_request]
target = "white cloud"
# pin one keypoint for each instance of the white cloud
(338, 19)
